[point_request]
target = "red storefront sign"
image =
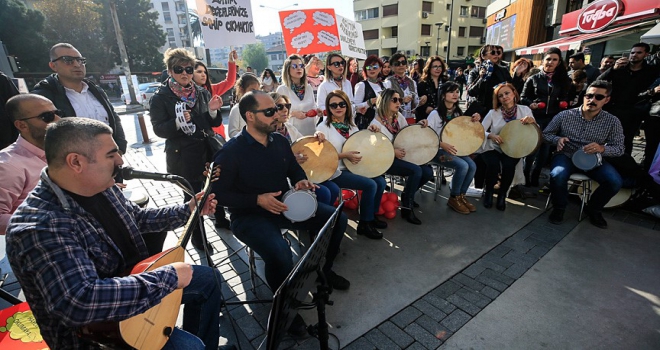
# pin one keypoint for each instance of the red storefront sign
(598, 15)
(630, 11)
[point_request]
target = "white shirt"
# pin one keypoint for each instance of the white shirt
(236, 122)
(86, 105)
(406, 107)
(435, 122)
(306, 126)
(495, 122)
(335, 138)
(360, 90)
(402, 124)
(328, 86)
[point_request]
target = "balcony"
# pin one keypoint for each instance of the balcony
(389, 21)
(389, 43)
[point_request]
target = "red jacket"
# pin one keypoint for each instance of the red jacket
(222, 87)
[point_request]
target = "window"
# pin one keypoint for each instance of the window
(426, 29)
(464, 11)
(462, 31)
(366, 14)
(478, 12)
(427, 6)
(425, 51)
(280, 57)
(390, 10)
(395, 32)
(167, 17)
(273, 56)
(460, 51)
(170, 32)
(372, 52)
(444, 48)
(476, 32)
(448, 7)
(370, 34)
(166, 6)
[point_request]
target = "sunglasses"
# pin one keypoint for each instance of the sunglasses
(268, 112)
(281, 106)
(494, 52)
(179, 69)
(337, 105)
(397, 100)
(297, 66)
(436, 67)
(399, 63)
(598, 97)
(372, 67)
(70, 59)
(338, 64)
(48, 117)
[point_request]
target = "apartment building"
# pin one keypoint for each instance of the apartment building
(453, 29)
(173, 17)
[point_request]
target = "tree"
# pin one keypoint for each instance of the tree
(195, 27)
(21, 30)
(255, 56)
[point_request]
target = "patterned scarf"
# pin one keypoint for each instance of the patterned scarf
(393, 128)
(549, 76)
(186, 94)
(510, 114)
(342, 129)
(299, 90)
(403, 81)
(282, 130)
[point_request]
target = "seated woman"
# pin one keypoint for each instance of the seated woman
(328, 192)
(390, 122)
(339, 126)
(506, 109)
(464, 166)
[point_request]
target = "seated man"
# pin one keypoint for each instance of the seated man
(74, 236)
(593, 130)
(255, 166)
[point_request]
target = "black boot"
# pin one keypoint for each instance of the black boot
(367, 229)
(409, 215)
(488, 198)
(501, 201)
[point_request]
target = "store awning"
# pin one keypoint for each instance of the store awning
(576, 41)
(652, 36)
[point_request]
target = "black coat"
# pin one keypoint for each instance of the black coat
(427, 88)
(482, 89)
(185, 154)
(537, 89)
(8, 132)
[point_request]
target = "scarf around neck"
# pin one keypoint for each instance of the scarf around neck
(185, 94)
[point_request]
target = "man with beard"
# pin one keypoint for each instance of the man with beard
(255, 166)
(606, 63)
(22, 161)
(593, 130)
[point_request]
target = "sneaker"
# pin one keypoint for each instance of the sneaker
(298, 328)
(597, 220)
(467, 204)
(456, 204)
(557, 216)
(337, 282)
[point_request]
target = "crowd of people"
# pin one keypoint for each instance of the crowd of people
(71, 233)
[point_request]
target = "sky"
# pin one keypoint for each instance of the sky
(266, 20)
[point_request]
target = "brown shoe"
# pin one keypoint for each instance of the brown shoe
(467, 204)
(458, 206)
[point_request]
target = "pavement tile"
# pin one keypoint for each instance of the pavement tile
(499, 251)
(474, 297)
(360, 344)
(446, 289)
(538, 251)
(474, 270)
(440, 303)
(429, 310)
(425, 338)
(498, 276)
(490, 292)
(250, 327)
(492, 283)
(406, 316)
(416, 346)
(395, 333)
(434, 327)
(464, 304)
(518, 258)
(519, 244)
(456, 320)
(468, 282)
(497, 260)
(380, 340)
(515, 271)
(491, 265)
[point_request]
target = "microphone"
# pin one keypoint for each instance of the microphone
(128, 173)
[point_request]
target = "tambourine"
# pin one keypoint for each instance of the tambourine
(587, 161)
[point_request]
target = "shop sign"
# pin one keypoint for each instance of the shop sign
(500, 15)
(598, 15)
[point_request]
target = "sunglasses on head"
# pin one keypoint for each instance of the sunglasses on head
(281, 106)
(337, 105)
(598, 97)
(70, 59)
(496, 52)
(48, 117)
(372, 67)
(297, 66)
(338, 64)
(397, 100)
(179, 69)
(399, 63)
(268, 112)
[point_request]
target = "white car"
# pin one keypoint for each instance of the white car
(126, 97)
(148, 93)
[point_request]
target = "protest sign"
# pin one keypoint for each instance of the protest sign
(351, 38)
(226, 22)
(309, 31)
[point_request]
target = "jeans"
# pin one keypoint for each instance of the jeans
(261, 232)
(202, 300)
(464, 170)
(608, 178)
(182, 340)
(493, 159)
(327, 193)
(372, 191)
(417, 177)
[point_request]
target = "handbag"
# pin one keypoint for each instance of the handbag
(214, 141)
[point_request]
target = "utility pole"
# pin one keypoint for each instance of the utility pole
(122, 52)
(451, 20)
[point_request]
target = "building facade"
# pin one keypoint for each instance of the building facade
(173, 17)
(451, 28)
(271, 40)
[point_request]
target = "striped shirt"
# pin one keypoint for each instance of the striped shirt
(604, 129)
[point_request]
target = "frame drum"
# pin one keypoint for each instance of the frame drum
(520, 140)
(421, 144)
(322, 159)
(302, 205)
(586, 161)
(464, 134)
(376, 150)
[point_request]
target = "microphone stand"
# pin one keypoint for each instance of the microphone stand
(187, 189)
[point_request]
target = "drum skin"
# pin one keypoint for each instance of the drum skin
(421, 144)
(520, 140)
(376, 150)
(464, 134)
(322, 158)
(301, 205)
(586, 161)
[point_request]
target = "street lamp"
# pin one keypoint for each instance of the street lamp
(278, 9)
(437, 40)
(428, 53)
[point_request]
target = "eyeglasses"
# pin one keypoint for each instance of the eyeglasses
(179, 69)
(397, 100)
(281, 106)
(48, 117)
(337, 105)
(399, 63)
(338, 64)
(372, 67)
(268, 112)
(297, 66)
(494, 52)
(69, 60)
(436, 67)
(598, 97)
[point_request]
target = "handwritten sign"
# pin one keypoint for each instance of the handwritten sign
(309, 31)
(226, 22)
(351, 38)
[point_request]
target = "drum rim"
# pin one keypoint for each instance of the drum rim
(325, 143)
(538, 144)
(347, 162)
(422, 128)
(465, 116)
(306, 192)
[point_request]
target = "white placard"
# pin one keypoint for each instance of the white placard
(351, 38)
(226, 22)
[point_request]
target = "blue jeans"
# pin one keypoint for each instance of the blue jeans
(327, 193)
(261, 232)
(202, 300)
(464, 169)
(182, 340)
(372, 191)
(417, 177)
(608, 179)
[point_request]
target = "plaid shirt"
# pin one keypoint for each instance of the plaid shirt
(604, 129)
(68, 266)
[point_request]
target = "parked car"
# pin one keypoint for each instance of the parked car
(148, 93)
(217, 75)
(126, 97)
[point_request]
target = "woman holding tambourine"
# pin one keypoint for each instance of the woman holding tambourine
(506, 109)
(390, 122)
(338, 125)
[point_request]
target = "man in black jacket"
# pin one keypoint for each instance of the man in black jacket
(75, 95)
